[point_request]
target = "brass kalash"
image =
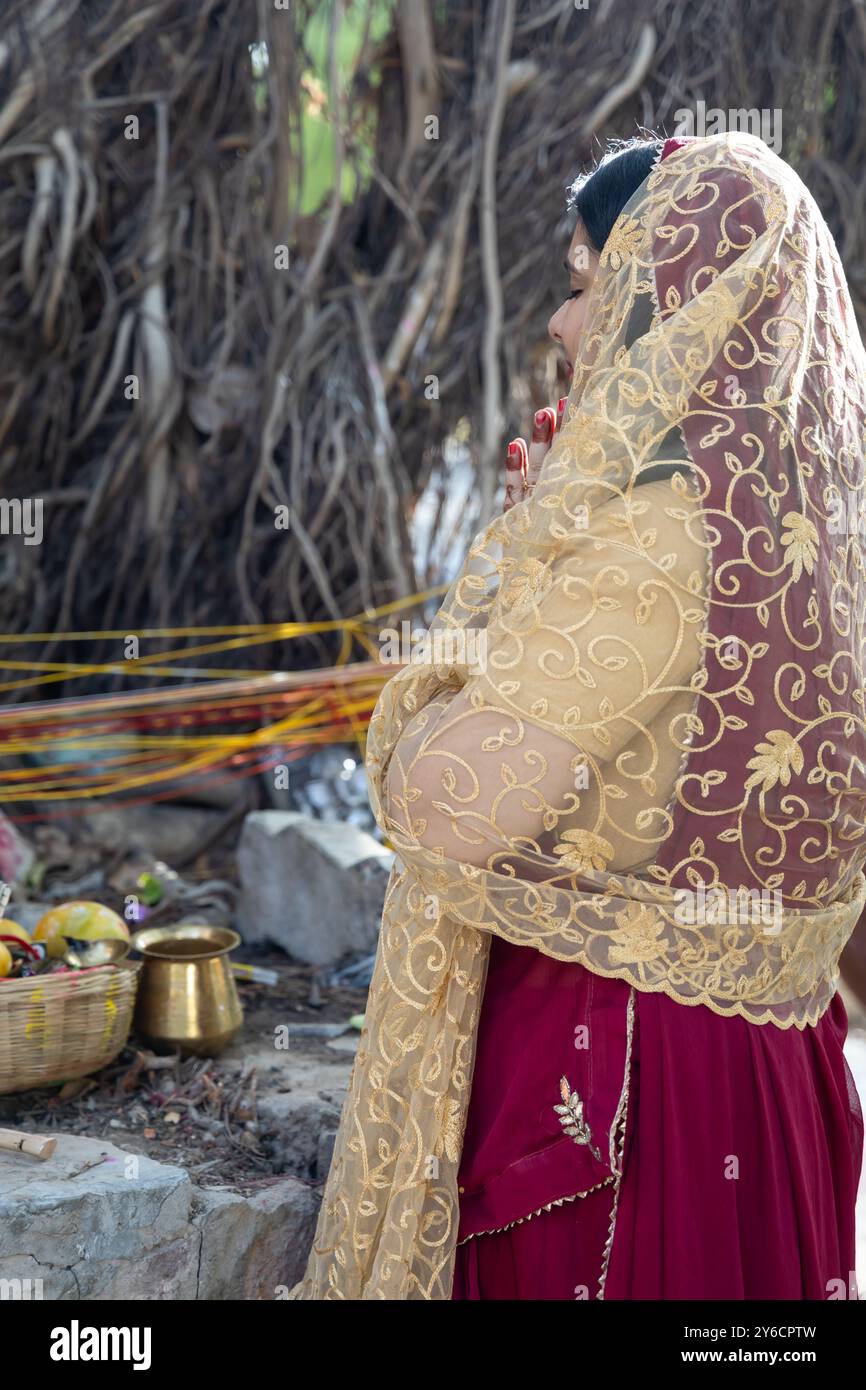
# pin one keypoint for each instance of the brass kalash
(187, 998)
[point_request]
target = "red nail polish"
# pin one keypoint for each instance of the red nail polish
(541, 426)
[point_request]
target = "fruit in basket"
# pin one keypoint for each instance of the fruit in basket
(8, 928)
(83, 921)
(5, 960)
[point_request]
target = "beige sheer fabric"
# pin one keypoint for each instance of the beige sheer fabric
(588, 776)
(667, 701)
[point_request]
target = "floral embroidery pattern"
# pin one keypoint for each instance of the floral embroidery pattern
(623, 242)
(775, 760)
(528, 584)
(583, 850)
(450, 1129)
(802, 543)
(640, 935)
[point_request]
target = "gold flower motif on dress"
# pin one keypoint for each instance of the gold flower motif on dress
(638, 936)
(802, 543)
(571, 1117)
(449, 1125)
(776, 758)
(528, 584)
(623, 242)
(584, 850)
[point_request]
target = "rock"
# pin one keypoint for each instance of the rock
(130, 1228)
(297, 1121)
(255, 1247)
(162, 831)
(327, 1139)
(120, 1229)
(316, 888)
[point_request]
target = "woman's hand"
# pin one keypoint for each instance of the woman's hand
(522, 464)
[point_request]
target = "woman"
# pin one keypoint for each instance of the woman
(629, 837)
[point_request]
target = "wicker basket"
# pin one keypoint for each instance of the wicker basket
(54, 1028)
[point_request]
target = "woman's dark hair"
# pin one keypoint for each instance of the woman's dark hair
(600, 196)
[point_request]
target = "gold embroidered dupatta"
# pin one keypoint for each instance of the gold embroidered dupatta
(653, 762)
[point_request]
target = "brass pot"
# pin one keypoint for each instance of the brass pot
(187, 998)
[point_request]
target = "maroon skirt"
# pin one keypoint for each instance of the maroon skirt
(689, 1156)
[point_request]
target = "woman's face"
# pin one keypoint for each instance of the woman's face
(566, 326)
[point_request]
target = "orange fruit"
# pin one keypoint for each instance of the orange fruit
(5, 960)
